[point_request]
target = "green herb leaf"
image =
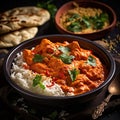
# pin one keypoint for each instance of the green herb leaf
(49, 6)
(37, 81)
(52, 9)
(91, 61)
(64, 49)
(66, 58)
(53, 115)
(104, 17)
(86, 21)
(98, 21)
(99, 24)
(73, 74)
(41, 85)
(73, 17)
(41, 5)
(69, 19)
(74, 27)
(38, 58)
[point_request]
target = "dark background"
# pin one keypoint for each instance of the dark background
(9, 4)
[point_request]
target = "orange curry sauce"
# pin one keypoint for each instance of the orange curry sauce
(67, 64)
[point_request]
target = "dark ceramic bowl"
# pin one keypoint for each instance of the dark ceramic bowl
(92, 4)
(58, 101)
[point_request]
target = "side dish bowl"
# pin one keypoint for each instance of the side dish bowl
(98, 33)
(61, 101)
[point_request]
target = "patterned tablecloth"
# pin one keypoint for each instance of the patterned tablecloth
(14, 107)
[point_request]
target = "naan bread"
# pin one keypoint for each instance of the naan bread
(16, 37)
(21, 17)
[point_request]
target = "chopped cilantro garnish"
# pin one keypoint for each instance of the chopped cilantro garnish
(66, 58)
(91, 61)
(38, 58)
(37, 81)
(73, 74)
(74, 27)
(86, 22)
(64, 49)
(50, 6)
(73, 17)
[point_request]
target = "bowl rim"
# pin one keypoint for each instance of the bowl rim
(91, 1)
(35, 95)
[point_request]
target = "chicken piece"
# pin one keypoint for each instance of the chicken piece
(85, 53)
(74, 45)
(40, 68)
(55, 63)
(94, 73)
(78, 52)
(82, 78)
(81, 54)
(60, 82)
(44, 47)
(66, 88)
(81, 89)
(28, 56)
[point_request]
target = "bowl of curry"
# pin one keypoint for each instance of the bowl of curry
(89, 19)
(59, 69)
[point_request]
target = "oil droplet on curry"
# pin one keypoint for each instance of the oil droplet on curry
(75, 69)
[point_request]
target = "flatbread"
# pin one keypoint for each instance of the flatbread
(16, 37)
(21, 17)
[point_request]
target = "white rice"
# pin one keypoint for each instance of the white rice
(24, 78)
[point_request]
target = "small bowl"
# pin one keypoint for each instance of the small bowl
(60, 101)
(92, 4)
